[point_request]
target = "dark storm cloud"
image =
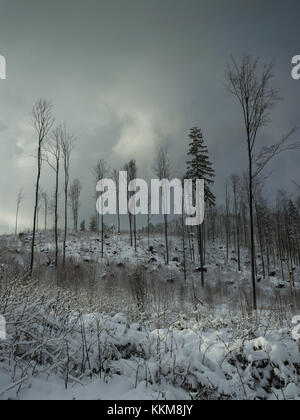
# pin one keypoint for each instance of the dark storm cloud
(129, 75)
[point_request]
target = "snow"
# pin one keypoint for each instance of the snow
(169, 363)
(62, 345)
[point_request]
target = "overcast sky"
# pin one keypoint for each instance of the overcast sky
(130, 75)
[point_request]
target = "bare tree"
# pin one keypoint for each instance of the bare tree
(227, 219)
(132, 174)
(131, 170)
(74, 195)
(19, 201)
(38, 211)
(66, 148)
(183, 238)
(116, 179)
(162, 170)
(101, 171)
(45, 199)
(148, 219)
(256, 97)
(53, 153)
(235, 182)
(260, 211)
(43, 120)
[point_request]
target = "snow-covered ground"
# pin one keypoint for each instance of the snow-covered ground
(104, 339)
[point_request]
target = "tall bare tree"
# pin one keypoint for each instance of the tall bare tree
(162, 170)
(74, 195)
(235, 182)
(42, 118)
(101, 171)
(183, 238)
(132, 174)
(53, 154)
(148, 219)
(19, 201)
(131, 170)
(45, 199)
(66, 148)
(116, 179)
(257, 97)
(227, 219)
(38, 210)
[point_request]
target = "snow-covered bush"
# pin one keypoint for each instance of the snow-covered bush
(53, 338)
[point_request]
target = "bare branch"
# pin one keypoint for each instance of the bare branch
(42, 118)
(269, 152)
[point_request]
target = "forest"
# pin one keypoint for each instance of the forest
(137, 306)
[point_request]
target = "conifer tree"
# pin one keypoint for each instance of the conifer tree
(200, 167)
(82, 226)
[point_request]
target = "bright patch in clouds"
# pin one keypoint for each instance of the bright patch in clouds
(7, 218)
(137, 138)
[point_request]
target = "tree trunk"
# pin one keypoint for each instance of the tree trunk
(66, 226)
(148, 229)
(56, 213)
(200, 247)
(252, 244)
(35, 208)
(46, 214)
(130, 229)
(118, 211)
(166, 239)
(134, 230)
(17, 215)
(183, 245)
(102, 235)
(260, 240)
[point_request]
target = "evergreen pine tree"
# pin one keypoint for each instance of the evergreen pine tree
(199, 166)
(82, 226)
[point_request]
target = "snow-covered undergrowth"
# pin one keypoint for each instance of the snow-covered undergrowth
(59, 347)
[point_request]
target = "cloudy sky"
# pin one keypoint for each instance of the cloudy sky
(130, 75)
